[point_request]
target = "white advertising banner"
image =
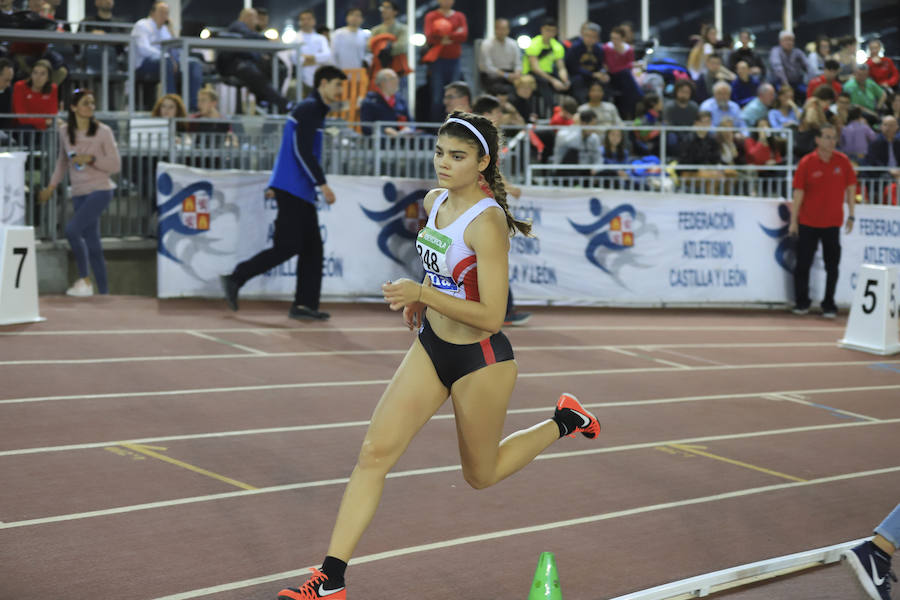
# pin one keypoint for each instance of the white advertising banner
(591, 246)
(12, 188)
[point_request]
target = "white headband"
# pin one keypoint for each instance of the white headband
(473, 130)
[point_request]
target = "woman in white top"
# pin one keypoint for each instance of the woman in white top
(460, 351)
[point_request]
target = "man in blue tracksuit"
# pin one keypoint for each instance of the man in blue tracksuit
(293, 184)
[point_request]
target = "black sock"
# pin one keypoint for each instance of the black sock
(334, 569)
(567, 420)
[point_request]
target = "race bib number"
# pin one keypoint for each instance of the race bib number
(432, 247)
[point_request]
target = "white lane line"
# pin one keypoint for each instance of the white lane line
(505, 533)
(790, 398)
(515, 411)
(429, 471)
(219, 340)
(400, 329)
(577, 373)
(692, 357)
(254, 353)
(670, 363)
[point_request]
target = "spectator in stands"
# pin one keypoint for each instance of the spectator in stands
(26, 54)
(607, 113)
(6, 7)
(815, 62)
(828, 76)
(882, 68)
(758, 108)
(895, 107)
(87, 149)
(744, 52)
(544, 61)
(846, 56)
(499, 59)
(393, 47)
(510, 116)
(681, 110)
(262, 19)
(251, 68)
(619, 58)
(713, 73)
(457, 96)
(578, 144)
(208, 103)
(784, 113)
(524, 99)
(148, 33)
(7, 71)
(489, 107)
(325, 32)
(584, 61)
(840, 111)
(648, 112)
(761, 148)
(745, 85)
(171, 106)
(103, 13)
(564, 113)
(315, 51)
(36, 95)
(856, 136)
(349, 44)
(865, 93)
(445, 31)
(812, 118)
(885, 150)
(823, 181)
(614, 151)
(701, 148)
(296, 181)
(788, 64)
(383, 104)
(730, 152)
(703, 45)
(721, 106)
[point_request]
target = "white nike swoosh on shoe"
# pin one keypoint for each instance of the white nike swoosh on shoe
(587, 419)
(878, 580)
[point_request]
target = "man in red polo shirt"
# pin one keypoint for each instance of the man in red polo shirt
(823, 181)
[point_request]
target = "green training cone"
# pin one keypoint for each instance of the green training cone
(546, 581)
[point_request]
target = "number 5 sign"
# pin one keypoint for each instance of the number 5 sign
(18, 276)
(873, 322)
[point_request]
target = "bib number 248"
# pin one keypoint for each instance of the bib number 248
(429, 258)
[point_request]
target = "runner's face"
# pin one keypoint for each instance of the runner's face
(455, 162)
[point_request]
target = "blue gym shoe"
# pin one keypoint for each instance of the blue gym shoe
(872, 568)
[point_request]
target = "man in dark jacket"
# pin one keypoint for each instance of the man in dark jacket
(249, 66)
(295, 180)
(584, 61)
(701, 148)
(383, 104)
(885, 150)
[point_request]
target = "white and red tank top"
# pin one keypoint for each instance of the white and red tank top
(448, 261)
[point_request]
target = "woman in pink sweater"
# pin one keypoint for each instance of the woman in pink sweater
(88, 150)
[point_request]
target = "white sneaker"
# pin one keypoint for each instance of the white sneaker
(81, 289)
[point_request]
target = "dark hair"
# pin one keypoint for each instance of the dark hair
(501, 89)
(484, 104)
(262, 11)
(825, 92)
(323, 30)
(854, 113)
(595, 82)
(650, 100)
(621, 151)
(492, 171)
(618, 29)
(72, 122)
(460, 87)
(48, 85)
(569, 104)
(393, 5)
(549, 22)
(826, 125)
(327, 73)
(587, 116)
(352, 9)
(5, 62)
(832, 65)
(307, 11)
(681, 83)
(702, 114)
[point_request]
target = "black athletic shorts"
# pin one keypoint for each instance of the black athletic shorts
(453, 361)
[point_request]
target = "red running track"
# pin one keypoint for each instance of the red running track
(171, 449)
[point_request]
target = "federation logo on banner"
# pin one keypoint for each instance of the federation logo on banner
(785, 252)
(612, 238)
(195, 211)
(400, 223)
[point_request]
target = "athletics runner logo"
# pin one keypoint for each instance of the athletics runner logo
(612, 238)
(402, 220)
(785, 252)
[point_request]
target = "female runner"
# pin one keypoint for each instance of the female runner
(460, 351)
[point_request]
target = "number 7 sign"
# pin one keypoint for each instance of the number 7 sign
(18, 276)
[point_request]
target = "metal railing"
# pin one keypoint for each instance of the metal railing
(252, 143)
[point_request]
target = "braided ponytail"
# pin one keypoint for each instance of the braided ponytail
(491, 174)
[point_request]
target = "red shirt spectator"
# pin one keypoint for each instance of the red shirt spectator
(616, 61)
(458, 33)
(36, 95)
(881, 68)
(824, 186)
(760, 152)
(820, 80)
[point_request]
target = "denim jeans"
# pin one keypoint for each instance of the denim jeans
(890, 527)
(83, 233)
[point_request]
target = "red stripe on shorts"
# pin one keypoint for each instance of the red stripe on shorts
(488, 351)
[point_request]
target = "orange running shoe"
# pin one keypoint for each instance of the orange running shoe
(313, 588)
(590, 426)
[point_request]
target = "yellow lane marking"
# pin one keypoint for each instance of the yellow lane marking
(700, 451)
(151, 452)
